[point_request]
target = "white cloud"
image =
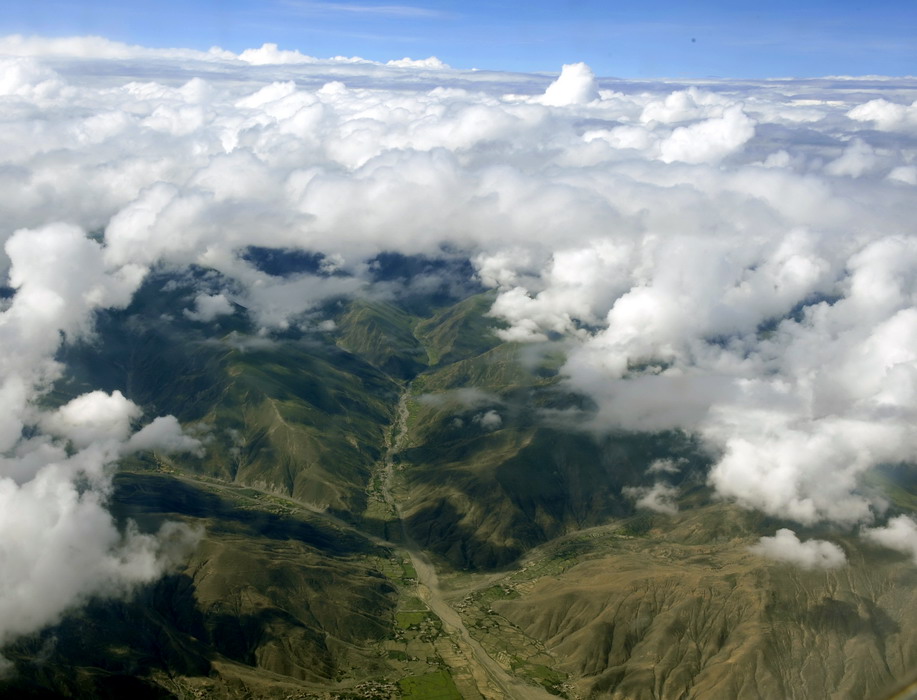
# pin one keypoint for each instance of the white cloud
(430, 63)
(209, 306)
(93, 417)
(660, 497)
(574, 86)
(858, 158)
(887, 116)
(164, 434)
(59, 277)
(711, 140)
(58, 544)
(899, 534)
(271, 54)
(25, 77)
(684, 105)
(489, 420)
(664, 466)
(904, 173)
(785, 546)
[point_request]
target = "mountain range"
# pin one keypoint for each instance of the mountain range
(396, 502)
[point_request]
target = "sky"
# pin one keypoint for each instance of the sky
(651, 38)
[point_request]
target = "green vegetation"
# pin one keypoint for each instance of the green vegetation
(410, 620)
(431, 686)
(459, 331)
(383, 335)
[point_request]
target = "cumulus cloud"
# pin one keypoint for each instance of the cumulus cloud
(58, 543)
(208, 307)
(164, 434)
(93, 417)
(59, 278)
(885, 115)
(899, 534)
(709, 140)
(785, 546)
(60, 546)
(271, 54)
(684, 105)
(904, 173)
(660, 497)
(575, 86)
(489, 420)
(858, 158)
(25, 77)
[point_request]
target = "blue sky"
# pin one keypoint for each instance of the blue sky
(647, 38)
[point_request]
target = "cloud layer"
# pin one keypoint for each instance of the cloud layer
(734, 259)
